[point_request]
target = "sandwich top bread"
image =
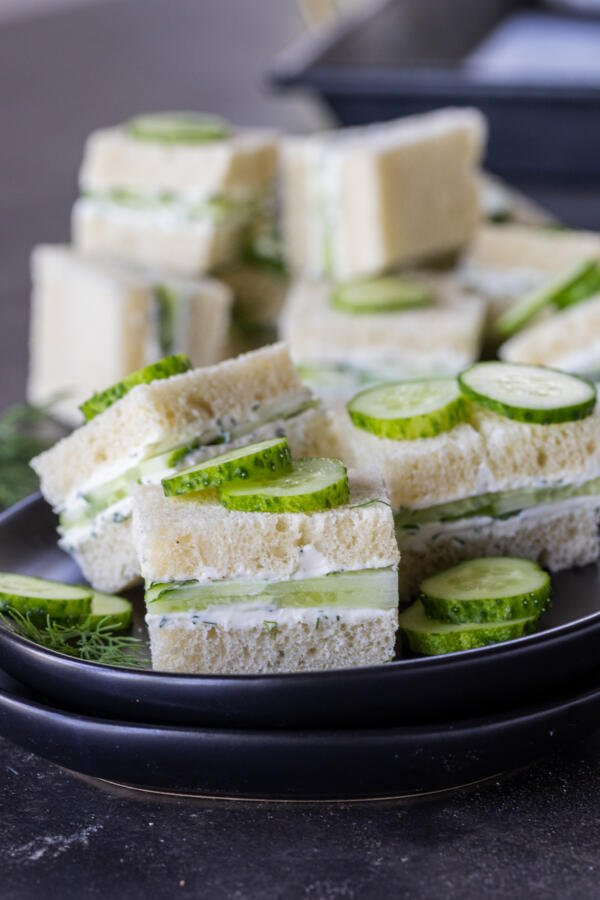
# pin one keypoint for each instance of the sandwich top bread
(163, 158)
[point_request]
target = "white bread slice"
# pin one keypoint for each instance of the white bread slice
(183, 538)
(362, 200)
(488, 453)
(442, 339)
(75, 299)
(567, 340)
(153, 238)
(557, 536)
(545, 250)
(300, 643)
(240, 165)
(173, 409)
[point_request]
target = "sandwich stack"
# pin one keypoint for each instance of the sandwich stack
(168, 203)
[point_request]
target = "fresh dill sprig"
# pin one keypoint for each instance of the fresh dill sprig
(25, 431)
(94, 641)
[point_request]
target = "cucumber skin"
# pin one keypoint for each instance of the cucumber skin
(501, 610)
(530, 416)
(164, 368)
(328, 498)
(438, 644)
(273, 461)
(40, 612)
(423, 426)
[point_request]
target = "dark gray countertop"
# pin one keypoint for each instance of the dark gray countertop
(534, 834)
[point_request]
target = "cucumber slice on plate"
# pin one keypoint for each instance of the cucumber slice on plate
(572, 285)
(109, 609)
(407, 410)
(39, 598)
(428, 636)
(312, 485)
(178, 128)
(262, 460)
(530, 394)
(490, 589)
(164, 368)
(389, 293)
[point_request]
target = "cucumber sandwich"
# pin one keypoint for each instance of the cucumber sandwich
(361, 201)
(252, 564)
(343, 336)
(173, 190)
(153, 423)
(504, 460)
(523, 274)
(141, 315)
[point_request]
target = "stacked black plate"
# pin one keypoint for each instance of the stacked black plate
(411, 726)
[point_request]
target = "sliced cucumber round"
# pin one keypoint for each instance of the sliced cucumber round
(407, 410)
(428, 636)
(178, 128)
(164, 368)
(263, 460)
(312, 485)
(531, 394)
(108, 609)
(390, 293)
(563, 290)
(490, 589)
(39, 598)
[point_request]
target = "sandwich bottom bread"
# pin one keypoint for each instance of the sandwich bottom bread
(231, 591)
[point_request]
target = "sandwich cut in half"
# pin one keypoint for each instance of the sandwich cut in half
(380, 329)
(360, 201)
(142, 316)
(283, 572)
(153, 423)
(173, 190)
(504, 461)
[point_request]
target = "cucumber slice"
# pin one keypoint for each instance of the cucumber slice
(178, 128)
(164, 368)
(380, 295)
(408, 410)
(312, 485)
(532, 394)
(262, 460)
(567, 288)
(424, 635)
(363, 589)
(490, 589)
(39, 598)
(110, 610)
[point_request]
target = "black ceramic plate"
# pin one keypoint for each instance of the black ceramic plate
(295, 765)
(411, 690)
